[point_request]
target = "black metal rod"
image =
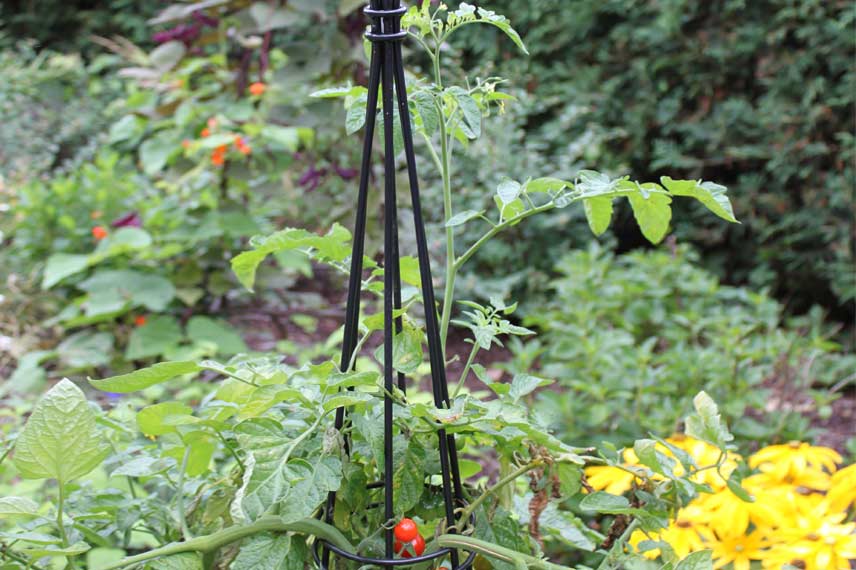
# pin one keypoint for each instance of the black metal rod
(432, 328)
(390, 240)
(352, 308)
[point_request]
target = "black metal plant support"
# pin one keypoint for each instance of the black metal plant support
(386, 75)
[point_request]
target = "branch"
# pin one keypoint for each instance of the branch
(490, 550)
(213, 542)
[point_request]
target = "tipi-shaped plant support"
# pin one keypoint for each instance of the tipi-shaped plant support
(386, 79)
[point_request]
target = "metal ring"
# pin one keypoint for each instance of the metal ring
(395, 12)
(397, 36)
(401, 562)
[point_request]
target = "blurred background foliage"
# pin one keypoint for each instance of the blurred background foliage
(103, 117)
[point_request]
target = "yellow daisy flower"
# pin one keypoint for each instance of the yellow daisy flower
(738, 549)
(612, 479)
(832, 547)
(842, 489)
(794, 458)
(730, 515)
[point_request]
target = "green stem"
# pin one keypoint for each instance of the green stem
(490, 550)
(498, 228)
(451, 269)
(618, 546)
(179, 499)
(467, 512)
(466, 370)
(217, 540)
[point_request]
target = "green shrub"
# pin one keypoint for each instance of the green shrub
(633, 337)
(755, 95)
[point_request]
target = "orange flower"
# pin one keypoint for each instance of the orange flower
(218, 155)
(99, 233)
(140, 320)
(242, 146)
(205, 132)
(212, 123)
(258, 89)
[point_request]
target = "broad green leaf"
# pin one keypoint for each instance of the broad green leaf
(606, 503)
(199, 446)
(463, 217)
(266, 477)
(651, 208)
(313, 479)
(145, 377)
(700, 560)
(142, 466)
(508, 191)
(355, 117)
(408, 481)
(547, 184)
(163, 418)
(62, 265)
(646, 451)
(86, 349)
(409, 271)
(158, 335)
(334, 246)
(708, 193)
(524, 384)
(407, 353)
(185, 561)
(60, 440)
(335, 92)
(110, 290)
(598, 213)
(269, 17)
(218, 332)
(167, 55)
(427, 111)
(155, 152)
(470, 113)
(18, 507)
(270, 551)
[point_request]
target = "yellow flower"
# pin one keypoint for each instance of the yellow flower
(739, 550)
(610, 479)
(771, 477)
(832, 547)
(613, 479)
(792, 460)
(842, 489)
(730, 515)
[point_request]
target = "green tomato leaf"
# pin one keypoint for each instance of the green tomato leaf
(606, 503)
(651, 208)
(700, 560)
(708, 193)
(462, 218)
(145, 377)
(408, 481)
(165, 417)
(598, 213)
(707, 424)
(60, 440)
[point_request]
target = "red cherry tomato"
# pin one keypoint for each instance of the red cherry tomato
(406, 530)
(410, 549)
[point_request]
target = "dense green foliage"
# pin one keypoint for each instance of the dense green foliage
(755, 95)
(635, 336)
